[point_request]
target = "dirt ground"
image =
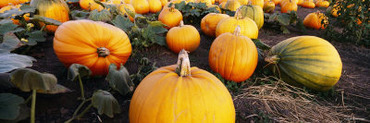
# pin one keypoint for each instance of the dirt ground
(354, 83)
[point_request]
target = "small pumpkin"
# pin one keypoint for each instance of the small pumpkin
(121, 8)
(285, 1)
(232, 5)
(233, 56)
(10, 7)
(288, 6)
(248, 27)
(306, 60)
(216, 7)
(276, 1)
(141, 6)
(91, 5)
(258, 2)
(54, 9)
(210, 21)
(154, 6)
(253, 12)
(164, 2)
(269, 6)
(315, 20)
(334, 10)
(183, 94)
(308, 4)
(190, 38)
(11, 2)
(170, 16)
(91, 43)
(322, 3)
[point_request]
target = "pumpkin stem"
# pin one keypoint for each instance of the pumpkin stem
(181, 23)
(238, 14)
(272, 59)
(237, 31)
(172, 8)
(183, 64)
(102, 52)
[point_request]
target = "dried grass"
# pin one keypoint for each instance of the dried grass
(285, 103)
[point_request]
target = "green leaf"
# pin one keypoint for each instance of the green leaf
(284, 19)
(285, 30)
(123, 23)
(259, 44)
(77, 14)
(119, 80)
(27, 79)
(129, 12)
(57, 89)
(76, 70)
(5, 81)
(11, 61)
(72, 1)
(47, 21)
(103, 15)
(16, 12)
(6, 25)
(35, 36)
(9, 106)
(105, 103)
(10, 42)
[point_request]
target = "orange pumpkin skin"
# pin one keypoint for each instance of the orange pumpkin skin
(190, 38)
(122, 7)
(321, 3)
(308, 4)
(11, 2)
(54, 9)
(155, 6)
(91, 5)
(269, 6)
(141, 6)
(10, 7)
(79, 41)
(258, 3)
(276, 2)
(210, 21)
(233, 56)
(289, 6)
(313, 20)
(164, 2)
(170, 16)
(232, 5)
(164, 96)
(127, 1)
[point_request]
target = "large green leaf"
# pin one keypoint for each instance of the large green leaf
(18, 12)
(10, 42)
(47, 21)
(6, 25)
(11, 61)
(77, 14)
(119, 80)
(103, 15)
(27, 79)
(123, 23)
(57, 89)
(261, 45)
(76, 70)
(9, 106)
(35, 36)
(105, 103)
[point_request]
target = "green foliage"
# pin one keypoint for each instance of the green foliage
(143, 32)
(105, 103)
(193, 12)
(11, 61)
(145, 68)
(283, 20)
(230, 85)
(9, 106)
(349, 19)
(119, 80)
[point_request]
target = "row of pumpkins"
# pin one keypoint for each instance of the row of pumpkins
(180, 93)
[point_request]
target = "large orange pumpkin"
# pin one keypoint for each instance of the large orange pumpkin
(288, 6)
(234, 56)
(322, 3)
(54, 9)
(178, 93)
(210, 21)
(269, 6)
(93, 44)
(155, 6)
(308, 4)
(170, 16)
(190, 38)
(315, 19)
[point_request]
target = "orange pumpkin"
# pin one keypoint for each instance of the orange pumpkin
(54, 9)
(170, 16)
(91, 5)
(210, 21)
(183, 94)
(164, 2)
(93, 44)
(242, 2)
(127, 1)
(10, 7)
(269, 6)
(233, 56)
(308, 4)
(232, 5)
(141, 6)
(155, 6)
(248, 27)
(258, 2)
(190, 38)
(122, 7)
(276, 2)
(322, 3)
(289, 6)
(11, 2)
(314, 20)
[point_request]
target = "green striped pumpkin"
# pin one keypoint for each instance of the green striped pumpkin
(254, 12)
(306, 60)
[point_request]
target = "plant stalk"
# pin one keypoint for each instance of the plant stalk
(33, 105)
(81, 88)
